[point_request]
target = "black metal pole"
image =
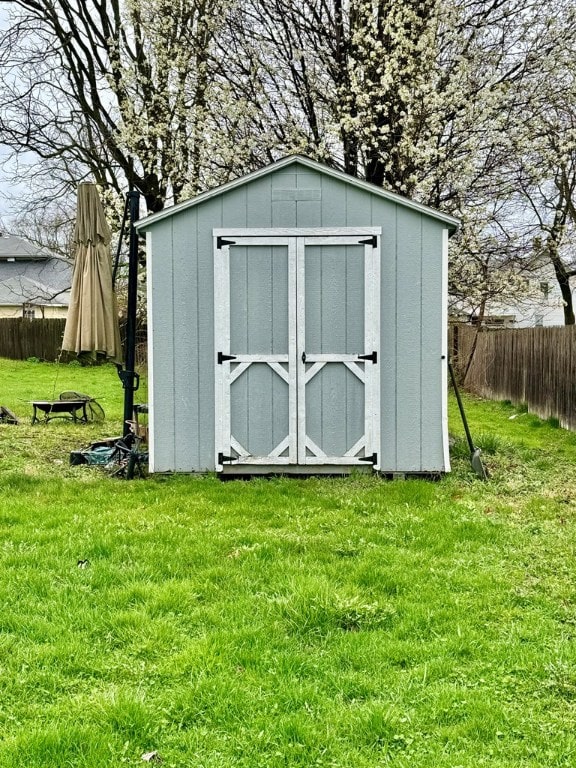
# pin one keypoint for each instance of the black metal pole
(130, 378)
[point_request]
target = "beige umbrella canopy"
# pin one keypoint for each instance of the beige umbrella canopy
(92, 323)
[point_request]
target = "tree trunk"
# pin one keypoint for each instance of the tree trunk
(553, 243)
(564, 284)
(481, 313)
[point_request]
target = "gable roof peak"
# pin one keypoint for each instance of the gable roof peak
(285, 162)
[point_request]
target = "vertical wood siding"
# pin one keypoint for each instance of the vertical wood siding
(408, 340)
(432, 363)
(334, 324)
(259, 326)
(161, 351)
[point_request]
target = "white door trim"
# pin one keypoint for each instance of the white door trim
(367, 372)
(275, 232)
(227, 371)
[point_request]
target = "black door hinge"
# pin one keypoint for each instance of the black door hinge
(371, 459)
(373, 357)
(222, 358)
(373, 241)
(222, 458)
(220, 241)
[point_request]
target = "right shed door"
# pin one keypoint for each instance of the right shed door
(338, 349)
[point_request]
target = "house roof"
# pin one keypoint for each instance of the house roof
(23, 290)
(12, 247)
(33, 280)
(286, 162)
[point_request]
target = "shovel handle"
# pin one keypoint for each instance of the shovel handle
(461, 408)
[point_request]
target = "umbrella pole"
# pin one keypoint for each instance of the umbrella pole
(130, 379)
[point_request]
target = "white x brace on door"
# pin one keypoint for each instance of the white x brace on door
(297, 346)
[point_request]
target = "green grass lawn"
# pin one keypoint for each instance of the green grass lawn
(324, 622)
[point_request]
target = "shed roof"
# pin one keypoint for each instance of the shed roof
(284, 163)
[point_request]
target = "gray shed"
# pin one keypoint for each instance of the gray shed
(297, 322)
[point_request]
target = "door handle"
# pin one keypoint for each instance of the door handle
(303, 357)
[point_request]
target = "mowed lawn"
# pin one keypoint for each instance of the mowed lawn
(348, 623)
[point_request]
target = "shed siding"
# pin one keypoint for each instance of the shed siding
(259, 325)
(259, 205)
(408, 340)
(308, 212)
(161, 347)
(187, 344)
(333, 203)
(358, 207)
(209, 217)
(284, 211)
(432, 349)
(181, 307)
(235, 207)
(334, 311)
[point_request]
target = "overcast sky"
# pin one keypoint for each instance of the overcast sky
(8, 191)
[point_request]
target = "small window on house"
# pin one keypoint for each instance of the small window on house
(545, 289)
(538, 321)
(28, 311)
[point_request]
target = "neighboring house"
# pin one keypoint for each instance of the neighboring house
(543, 306)
(33, 282)
(540, 305)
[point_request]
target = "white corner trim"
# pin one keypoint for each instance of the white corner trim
(150, 345)
(444, 348)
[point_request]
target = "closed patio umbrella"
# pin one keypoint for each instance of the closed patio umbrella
(92, 327)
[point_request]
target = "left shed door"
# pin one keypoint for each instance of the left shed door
(256, 362)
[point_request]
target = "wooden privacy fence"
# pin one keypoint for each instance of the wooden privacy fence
(21, 338)
(536, 366)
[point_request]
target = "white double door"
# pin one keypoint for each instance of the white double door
(297, 346)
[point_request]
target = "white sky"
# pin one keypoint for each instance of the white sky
(8, 192)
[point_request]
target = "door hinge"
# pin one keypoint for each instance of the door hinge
(373, 357)
(371, 459)
(373, 241)
(222, 458)
(220, 241)
(222, 358)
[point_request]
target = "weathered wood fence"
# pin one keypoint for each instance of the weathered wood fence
(21, 338)
(536, 366)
